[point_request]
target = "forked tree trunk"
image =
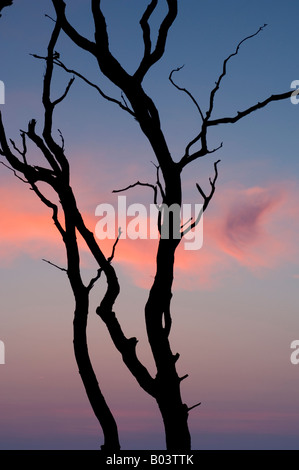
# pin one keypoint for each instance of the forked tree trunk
(81, 295)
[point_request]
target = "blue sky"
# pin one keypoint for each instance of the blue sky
(235, 301)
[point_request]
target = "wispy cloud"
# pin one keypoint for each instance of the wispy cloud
(259, 225)
(253, 228)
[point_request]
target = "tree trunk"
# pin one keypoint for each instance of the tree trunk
(96, 399)
(175, 417)
(81, 295)
(158, 322)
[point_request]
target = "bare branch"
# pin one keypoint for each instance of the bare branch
(138, 183)
(150, 58)
(187, 222)
(100, 270)
(176, 357)
(146, 29)
(201, 153)
(59, 63)
(41, 145)
(206, 199)
(145, 111)
(114, 245)
(58, 100)
(50, 17)
(16, 148)
(202, 135)
(5, 150)
(164, 29)
(4, 3)
(31, 173)
(213, 187)
(62, 139)
(126, 105)
(51, 205)
(94, 279)
(184, 377)
(24, 151)
(81, 41)
(55, 265)
(185, 91)
(108, 64)
(194, 406)
(250, 110)
(218, 82)
(158, 183)
(194, 222)
(14, 172)
(226, 120)
(185, 158)
(49, 106)
(127, 347)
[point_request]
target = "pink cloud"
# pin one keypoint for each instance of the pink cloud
(253, 228)
(258, 226)
(244, 220)
(25, 224)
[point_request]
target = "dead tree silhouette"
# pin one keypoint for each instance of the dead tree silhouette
(165, 387)
(4, 3)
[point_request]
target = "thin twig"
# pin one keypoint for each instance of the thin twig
(206, 199)
(185, 91)
(55, 265)
(159, 183)
(50, 17)
(14, 172)
(100, 270)
(60, 64)
(224, 69)
(138, 183)
(194, 406)
(67, 89)
(150, 58)
(213, 187)
(51, 205)
(246, 112)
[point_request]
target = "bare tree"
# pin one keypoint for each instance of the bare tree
(165, 387)
(4, 3)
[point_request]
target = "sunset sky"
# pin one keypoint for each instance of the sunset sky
(235, 303)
